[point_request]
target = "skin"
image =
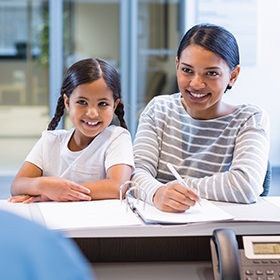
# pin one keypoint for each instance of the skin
(91, 108)
(202, 78)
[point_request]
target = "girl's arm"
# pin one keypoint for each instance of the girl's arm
(29, 181)
(109, 188)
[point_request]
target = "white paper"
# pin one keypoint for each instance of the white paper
(275, 200)
(207, 212)
(19, 209)
(262, 211)
(87, 214)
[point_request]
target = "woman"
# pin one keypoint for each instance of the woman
(221, 150)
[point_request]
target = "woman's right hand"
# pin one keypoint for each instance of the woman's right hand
(175, 198)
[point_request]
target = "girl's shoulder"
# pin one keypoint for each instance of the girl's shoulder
(56, 135)
(115, 130)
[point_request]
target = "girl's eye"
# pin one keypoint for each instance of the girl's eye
(82, 102)
(103, 104)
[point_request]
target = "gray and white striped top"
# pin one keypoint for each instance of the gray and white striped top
(223, 159)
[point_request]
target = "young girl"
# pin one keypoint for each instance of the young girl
(91, 160)
(221, 150)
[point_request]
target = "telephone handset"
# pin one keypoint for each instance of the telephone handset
(225, 256)
(258, 259)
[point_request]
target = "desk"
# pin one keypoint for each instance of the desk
(154, 271)
(187, 242)
(158, 249)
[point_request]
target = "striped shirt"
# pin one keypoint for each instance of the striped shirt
(223, 159)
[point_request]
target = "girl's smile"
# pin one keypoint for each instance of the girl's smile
(91, 108)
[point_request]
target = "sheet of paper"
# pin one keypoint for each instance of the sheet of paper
(275, 200)
(16, 208)
(207, 212)
(264, 210)
(91, 214)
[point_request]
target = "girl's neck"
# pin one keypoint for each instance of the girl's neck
(77, 143)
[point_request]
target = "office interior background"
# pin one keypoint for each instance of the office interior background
(40, 39)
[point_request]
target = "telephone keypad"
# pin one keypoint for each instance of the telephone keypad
(265, 269)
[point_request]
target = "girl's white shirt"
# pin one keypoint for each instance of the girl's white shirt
(51, 154)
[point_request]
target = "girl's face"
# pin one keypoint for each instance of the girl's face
(203, 78)
(91, 108)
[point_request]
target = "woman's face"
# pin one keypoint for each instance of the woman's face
(203, 78)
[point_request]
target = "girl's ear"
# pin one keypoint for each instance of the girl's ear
(116, 103)
(66, 101)
(234, 75)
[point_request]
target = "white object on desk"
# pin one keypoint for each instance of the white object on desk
(273, 199)
(75, 215)
(262, 211)
(87, 214)
(196, 214)
(19, 209)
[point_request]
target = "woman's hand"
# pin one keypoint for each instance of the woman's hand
(175, 198)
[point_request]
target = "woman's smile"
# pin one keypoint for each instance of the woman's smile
(197, 96)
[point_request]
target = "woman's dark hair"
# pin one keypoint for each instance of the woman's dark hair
(213, 38)
(87, 71)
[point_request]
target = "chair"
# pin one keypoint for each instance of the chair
(267, 180)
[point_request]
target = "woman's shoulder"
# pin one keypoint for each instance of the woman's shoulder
(166, 102)
(251, 110)
(253, 114)
(170, 98)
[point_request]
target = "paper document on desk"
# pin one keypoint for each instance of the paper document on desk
(275, 200)
(264, 210)
(87, 214)
(19, 209)
(207, 212)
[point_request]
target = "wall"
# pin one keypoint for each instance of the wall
(97, 31)
(258, 83)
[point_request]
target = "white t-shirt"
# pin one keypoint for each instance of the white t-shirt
(51, 154)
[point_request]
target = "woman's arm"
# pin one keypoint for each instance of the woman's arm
(220, 175)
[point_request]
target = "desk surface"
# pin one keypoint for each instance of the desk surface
(187, 242)
(259, 218)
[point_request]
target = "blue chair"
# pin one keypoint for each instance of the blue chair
(267, 180)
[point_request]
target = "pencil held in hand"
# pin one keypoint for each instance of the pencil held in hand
(178, 177)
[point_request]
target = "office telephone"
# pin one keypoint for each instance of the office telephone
(259, 259)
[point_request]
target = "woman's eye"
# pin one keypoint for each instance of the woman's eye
(212, 74)
(187, 70)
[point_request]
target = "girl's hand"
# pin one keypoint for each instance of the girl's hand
(60, 189)
(49, 188)
(27, 199)
(175, 198)
(19, 198)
